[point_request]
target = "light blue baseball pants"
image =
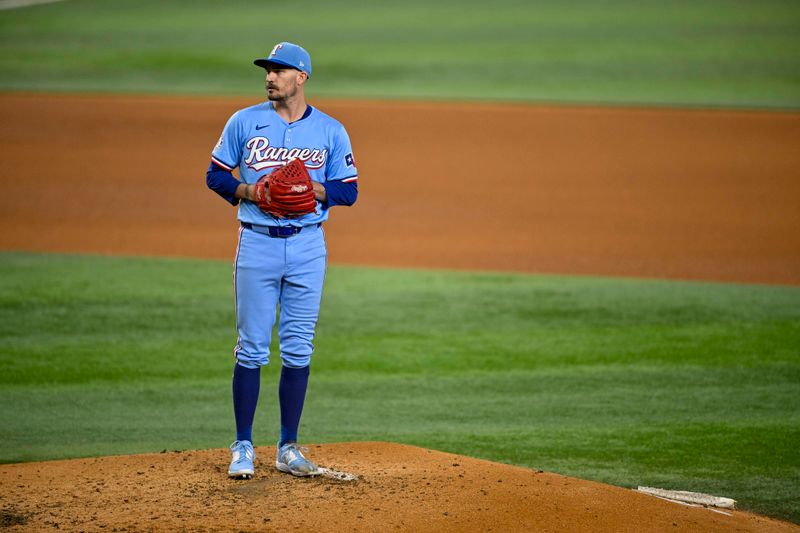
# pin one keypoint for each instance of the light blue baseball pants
(278, 271)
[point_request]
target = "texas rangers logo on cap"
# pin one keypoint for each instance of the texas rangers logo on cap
(289, 55)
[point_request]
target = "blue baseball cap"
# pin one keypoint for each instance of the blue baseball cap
(288, 55)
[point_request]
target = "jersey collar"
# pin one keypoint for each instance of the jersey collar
(306, 114)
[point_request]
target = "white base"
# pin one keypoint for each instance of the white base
(337, 475)
(697, 498)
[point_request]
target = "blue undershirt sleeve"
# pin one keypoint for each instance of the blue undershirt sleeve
(340, 193)
(222, 182)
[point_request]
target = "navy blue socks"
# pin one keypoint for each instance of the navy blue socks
(292, 395)
(246, 382)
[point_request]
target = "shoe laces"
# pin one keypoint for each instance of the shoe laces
(294, 452)
(243, 449)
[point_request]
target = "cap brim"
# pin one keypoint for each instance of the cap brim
(263, 63)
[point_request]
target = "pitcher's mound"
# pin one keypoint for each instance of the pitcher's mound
(398, 488)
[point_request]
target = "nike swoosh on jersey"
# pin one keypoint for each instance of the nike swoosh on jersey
(262, 127)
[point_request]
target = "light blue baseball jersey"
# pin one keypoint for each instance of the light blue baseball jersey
(257, 141)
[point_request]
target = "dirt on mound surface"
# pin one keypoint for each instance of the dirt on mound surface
(399, 488)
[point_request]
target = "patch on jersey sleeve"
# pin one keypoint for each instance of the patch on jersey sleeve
(219, 143)
(349, 161)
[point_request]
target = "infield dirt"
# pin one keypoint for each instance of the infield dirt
(711, 195)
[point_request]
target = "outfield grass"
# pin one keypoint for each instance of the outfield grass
(686, 52)
(691, 386)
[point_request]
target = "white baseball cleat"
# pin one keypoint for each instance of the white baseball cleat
(242, 461)
(290, 459)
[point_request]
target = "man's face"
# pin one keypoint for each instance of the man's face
(283, 82)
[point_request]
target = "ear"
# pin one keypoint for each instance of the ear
(301, 77)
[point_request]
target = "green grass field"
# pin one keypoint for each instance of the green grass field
(692, 386)
(683, 385)
(676, 52)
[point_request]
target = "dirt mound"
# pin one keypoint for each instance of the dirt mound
(399, 488)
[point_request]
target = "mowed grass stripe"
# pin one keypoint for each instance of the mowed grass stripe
(680, 384)
(680, 52)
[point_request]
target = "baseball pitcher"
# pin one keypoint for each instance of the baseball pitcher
(294, 163)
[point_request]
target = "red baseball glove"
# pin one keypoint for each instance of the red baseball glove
(286, 192)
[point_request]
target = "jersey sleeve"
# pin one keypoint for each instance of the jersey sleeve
(339, 192)
(222, 182)
(228, 151)
(341, 164)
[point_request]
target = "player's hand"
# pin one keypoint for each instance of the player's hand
(259, 192)
(247, 191)
(250, 193)
(319, 191)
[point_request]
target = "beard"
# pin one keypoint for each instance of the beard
(272, 96)
(277, 96)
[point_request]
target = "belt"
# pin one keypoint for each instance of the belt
(280, 232)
